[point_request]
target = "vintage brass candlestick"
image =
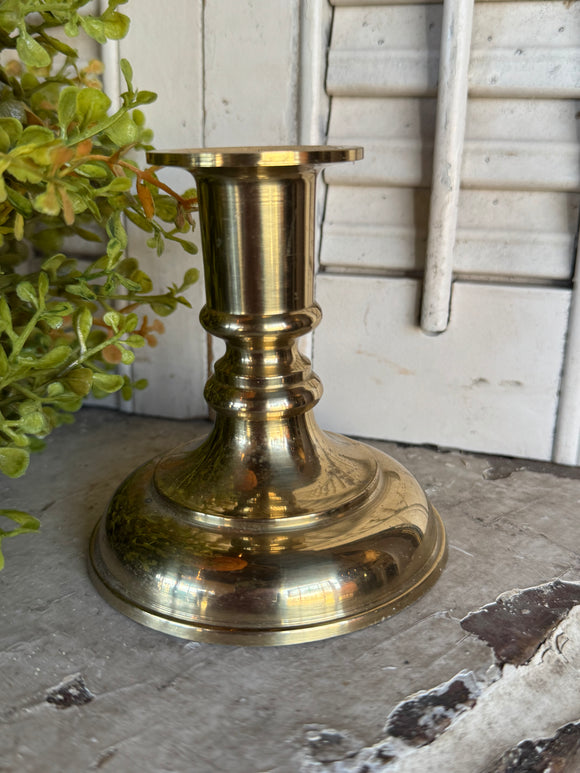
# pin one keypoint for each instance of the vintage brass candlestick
(269, 530)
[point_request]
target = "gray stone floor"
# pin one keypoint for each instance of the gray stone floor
(161, 704)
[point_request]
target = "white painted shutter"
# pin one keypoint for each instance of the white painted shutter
(491, 381)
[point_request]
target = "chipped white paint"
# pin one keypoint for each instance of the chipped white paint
(447, 158)
(507, 711)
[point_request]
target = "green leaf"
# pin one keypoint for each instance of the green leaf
(5, 314)
(131, 323)
(83, 325)
(91, 106)
(82, 290)
(55, 389)
(25, 291)
(144, 281)
(14, 108)
(26, 524)
(43, 286)
(191, 276)
(124, 131)
(127, 357)
(51, 359)
(127, 71)
(165, 307)
(79, 380)
(116, 229)
(135, 340)
(116, 25)
(30, 51)
(59, 46)
(94, 171)
(12, 127)
(54, 357)
(145, 98)
(106, 382)
(33, 423)
(35, 135)
(113, 320)
(4, 365)
(4, 141)
(54, 262)
(71, 28)
(67, 106)
(48, 202)
(166, 208)
(14, 461)
(117, 185)
(142, 222)
(67, 402)
(19, 202)
(95, 28)
(189, 247)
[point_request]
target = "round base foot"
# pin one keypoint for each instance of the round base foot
(261, 581)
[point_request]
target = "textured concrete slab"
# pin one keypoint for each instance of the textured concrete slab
(82, 688)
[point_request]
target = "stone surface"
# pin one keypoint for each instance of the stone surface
(159, 704)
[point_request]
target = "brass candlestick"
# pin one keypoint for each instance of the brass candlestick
(268, 531)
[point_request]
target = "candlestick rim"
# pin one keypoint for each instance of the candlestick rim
(259, 156)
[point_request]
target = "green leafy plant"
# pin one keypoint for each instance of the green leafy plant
(66, 169)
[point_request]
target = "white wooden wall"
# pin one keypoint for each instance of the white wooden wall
(252, 72)
(491, 381)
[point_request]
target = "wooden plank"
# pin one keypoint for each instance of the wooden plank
(510, 143)
(491, 164)
(382, 73)
(518, 49)
(500, 233)
(550, 120)
(489, 384)
(511, 26)
(542, 73)
(447, 162)
(176, 369)
(244, 43)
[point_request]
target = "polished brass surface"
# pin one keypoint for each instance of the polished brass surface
(269, 530)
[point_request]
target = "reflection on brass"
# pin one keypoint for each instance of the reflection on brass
(269, 530)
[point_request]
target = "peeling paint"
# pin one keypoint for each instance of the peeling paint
(463, 725)
(425, 715)
(517, 623)
(329, 745)
(558, 754)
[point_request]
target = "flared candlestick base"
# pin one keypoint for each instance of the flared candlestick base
(268, 531)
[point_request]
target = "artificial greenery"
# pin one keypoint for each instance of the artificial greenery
(66, 169)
